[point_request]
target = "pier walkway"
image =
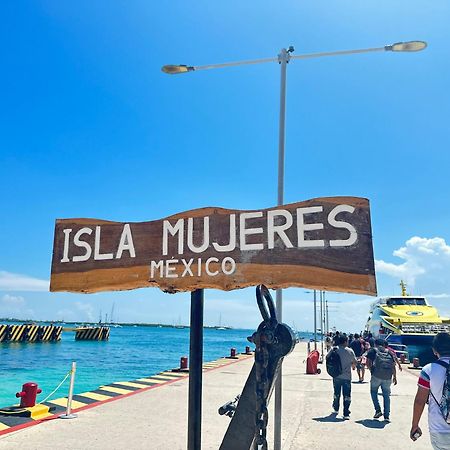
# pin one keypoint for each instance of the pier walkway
(157, 419)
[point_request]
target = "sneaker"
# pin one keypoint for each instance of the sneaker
(377, 415)
(335, 411)
(386, 419)
(346, 417)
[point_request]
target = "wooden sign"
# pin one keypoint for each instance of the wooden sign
(324, 243)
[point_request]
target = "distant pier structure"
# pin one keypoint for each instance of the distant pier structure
(30, 333)
(92, 333)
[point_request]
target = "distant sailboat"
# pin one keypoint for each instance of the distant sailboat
(111, 320)
(179, 323)
(220, 327)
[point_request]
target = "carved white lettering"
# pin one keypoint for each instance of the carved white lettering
(302, 227)
(232, 264)
(244, 232)
(97, 255)
(190, 237)
(173, 230)
(170, 270)
(187, 266)
(232, 243)
(82, 244)
(273, 229)
(341, 224)
(126, 242)
(154, 265)
(207, 263)
(65, 257)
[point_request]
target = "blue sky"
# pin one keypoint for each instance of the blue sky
(91, 127)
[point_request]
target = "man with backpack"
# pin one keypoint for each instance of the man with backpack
(434, 387)
(382, 367)
(340, 360)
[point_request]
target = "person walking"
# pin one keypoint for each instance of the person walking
(382, 367)
(342, 382)
(394, 355)
(336, 338)
(328, 343)
(358, 348)
(434, 387)
(370, 339)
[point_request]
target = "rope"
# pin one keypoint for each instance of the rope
(19, 410)
(12, 411)
(57, 387)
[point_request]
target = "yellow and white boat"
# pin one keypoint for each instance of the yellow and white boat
(406, 319)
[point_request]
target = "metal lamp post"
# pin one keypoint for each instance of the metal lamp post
(315, 320)
(315, 315)
(283, 58)
(321, 325)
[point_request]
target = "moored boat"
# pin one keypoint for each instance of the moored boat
(407, 320)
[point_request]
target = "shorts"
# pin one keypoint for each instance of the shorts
(440, 441)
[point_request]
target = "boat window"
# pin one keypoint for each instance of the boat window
(410, 301)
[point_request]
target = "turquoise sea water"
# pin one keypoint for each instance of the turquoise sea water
(131, 352)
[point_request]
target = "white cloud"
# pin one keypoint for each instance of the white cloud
(66, 314)
(15, 306)
(13, 300)
(425, 266)
(17, 282)
(86, 310)
(443, 295)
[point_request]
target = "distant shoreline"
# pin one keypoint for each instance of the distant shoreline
(122, 324)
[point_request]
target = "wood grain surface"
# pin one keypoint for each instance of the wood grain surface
(289, 248)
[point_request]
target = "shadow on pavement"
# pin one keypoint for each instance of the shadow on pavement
(372, 423)
(330, 418)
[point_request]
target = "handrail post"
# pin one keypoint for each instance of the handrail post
(68, 414)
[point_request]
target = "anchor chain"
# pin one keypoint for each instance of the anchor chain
(273, 341)
(263, 339)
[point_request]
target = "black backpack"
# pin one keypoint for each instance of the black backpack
(334, 366)
(383, 365)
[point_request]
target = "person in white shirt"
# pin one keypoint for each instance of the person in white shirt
(430, 388)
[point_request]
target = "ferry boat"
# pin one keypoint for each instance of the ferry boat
(406, 320)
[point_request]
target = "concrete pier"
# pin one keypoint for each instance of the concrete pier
(157, 419)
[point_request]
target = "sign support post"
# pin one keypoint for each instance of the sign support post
(195, 371)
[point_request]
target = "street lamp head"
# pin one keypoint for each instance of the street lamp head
(411, 46)
(175, 69)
